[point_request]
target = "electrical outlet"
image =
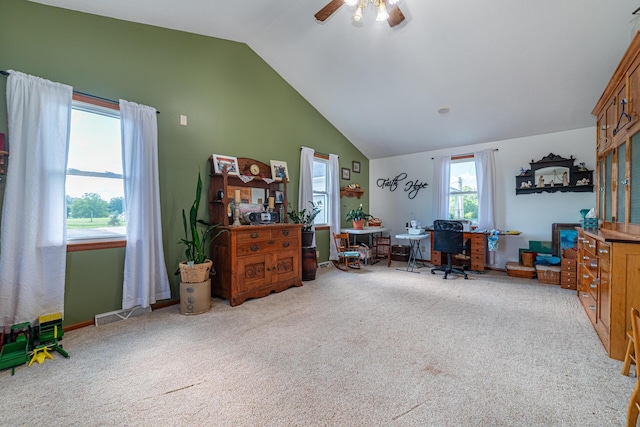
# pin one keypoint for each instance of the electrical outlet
(317, 254)
(183, 120)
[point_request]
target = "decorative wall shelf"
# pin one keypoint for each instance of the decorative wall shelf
(554, 173)
(350, 192)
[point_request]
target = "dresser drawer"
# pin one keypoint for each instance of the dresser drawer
(252, 234)
(604, 250)
(569, 264)
(265, 245)
(589, 305)
(284, 232)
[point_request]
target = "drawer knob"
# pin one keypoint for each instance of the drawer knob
(593, 265)
(285, 244)
(592, 246)
(603, 251)
(593, 286)
(592, 307)
(585, 276)
(585, 295)
(255, 235)
(271, 242)
(255, 248)
(585, 257)
(285, 232)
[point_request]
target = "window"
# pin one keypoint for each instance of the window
(95, 186)
(463, 196)
(321, 189)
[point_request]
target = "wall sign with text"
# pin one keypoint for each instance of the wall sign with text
(411, 187)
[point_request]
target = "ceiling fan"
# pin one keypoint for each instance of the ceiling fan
(395, 15)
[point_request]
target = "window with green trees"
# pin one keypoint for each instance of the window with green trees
(463, 196)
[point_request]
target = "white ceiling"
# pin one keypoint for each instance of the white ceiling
(506, 68)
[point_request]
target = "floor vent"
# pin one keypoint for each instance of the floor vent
(114, 316)
(324, 264)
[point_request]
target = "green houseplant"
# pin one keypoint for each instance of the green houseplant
(196, 267)
(306, 218)
(357, 216)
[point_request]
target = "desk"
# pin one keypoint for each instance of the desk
(414, 243)
(369, 231)
(476, 250)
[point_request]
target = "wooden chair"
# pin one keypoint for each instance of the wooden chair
(634, 402)
(348, 255)
(630, 356)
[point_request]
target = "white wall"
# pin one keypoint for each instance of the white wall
(532, 214)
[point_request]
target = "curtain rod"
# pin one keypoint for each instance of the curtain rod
(466, 154)
(6, 73)
(315, 152)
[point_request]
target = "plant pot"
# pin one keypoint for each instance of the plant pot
(307, 238)
(197, 273)
(358, 224)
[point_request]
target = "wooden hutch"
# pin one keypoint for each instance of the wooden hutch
(251, 261)
(609, 257)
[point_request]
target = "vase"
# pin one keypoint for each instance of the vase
(358, 224)
(307, 238)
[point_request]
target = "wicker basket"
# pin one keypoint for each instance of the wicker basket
(548, 274)
(196, 274)
(515, 269)
(374, 222)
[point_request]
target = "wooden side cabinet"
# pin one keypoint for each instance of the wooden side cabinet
(609, 285)
(254, 260)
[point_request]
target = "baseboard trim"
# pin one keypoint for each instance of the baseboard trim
(156, 306)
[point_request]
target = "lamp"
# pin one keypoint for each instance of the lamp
(380, 5)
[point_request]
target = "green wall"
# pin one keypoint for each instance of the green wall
(236, 105)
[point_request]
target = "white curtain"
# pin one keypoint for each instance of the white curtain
(145, 272)
(442, 186)
(485, 172)
(34, 249)
(334, 213)
(305, 190)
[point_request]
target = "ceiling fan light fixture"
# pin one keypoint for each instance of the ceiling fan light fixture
(382, 12)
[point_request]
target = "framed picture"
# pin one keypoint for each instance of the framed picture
(279, 170)
(279, 195)
(355, 166)
(563, 236)
(346, 173)
(220, 162)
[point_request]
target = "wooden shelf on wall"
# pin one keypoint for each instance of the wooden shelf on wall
(350, 192)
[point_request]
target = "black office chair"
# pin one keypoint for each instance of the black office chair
(449, 239)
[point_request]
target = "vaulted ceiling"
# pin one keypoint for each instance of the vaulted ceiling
(505, 68)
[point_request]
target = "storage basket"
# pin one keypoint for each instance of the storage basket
(196, 274)
(548, 274)
(374, 222)
(515, 269)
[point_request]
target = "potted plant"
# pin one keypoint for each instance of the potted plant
(305, 218)
(357, 216)
(196, 267)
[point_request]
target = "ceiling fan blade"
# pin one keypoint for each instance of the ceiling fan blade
(395, 16)
(328, 10)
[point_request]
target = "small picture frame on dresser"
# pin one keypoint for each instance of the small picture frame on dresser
(220, 162)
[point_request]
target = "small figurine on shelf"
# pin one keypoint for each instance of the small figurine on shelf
(582, 167)
(540, 182)
(523, 171)
(565, 179)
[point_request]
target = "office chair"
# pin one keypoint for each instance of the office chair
(449, 239)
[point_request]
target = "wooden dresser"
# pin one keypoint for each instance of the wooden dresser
(609, 284)
(254, 260)
(609, 257)
(251, 261)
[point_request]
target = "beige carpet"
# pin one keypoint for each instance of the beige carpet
(377, 347)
